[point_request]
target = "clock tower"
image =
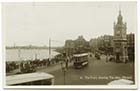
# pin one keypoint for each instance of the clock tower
(120, 40)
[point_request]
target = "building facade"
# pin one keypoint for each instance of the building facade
(120, 40)
(80, 45)
(131, 46)
(103, 43)
(69, 47)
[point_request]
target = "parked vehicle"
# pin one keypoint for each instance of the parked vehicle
(97, 55)
(111, 58)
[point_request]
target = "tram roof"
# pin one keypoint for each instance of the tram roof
(29, 77)
(81, 55)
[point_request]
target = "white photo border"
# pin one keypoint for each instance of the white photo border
(80, 87)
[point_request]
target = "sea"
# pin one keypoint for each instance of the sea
(28, 54)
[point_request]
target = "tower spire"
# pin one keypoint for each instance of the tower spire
(119, 9)
(120, 16)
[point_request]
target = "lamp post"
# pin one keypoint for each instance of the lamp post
(63, 66)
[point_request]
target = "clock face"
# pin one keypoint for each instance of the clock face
(118, 32)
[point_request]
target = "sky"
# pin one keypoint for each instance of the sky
(34, 23)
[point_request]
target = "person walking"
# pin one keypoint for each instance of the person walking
(67, 62)
(107, 57)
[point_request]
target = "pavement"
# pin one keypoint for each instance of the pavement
(98, 72)
(52, 68)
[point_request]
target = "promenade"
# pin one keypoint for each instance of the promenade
(98, 72)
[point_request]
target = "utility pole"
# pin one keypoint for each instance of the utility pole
(19, 54)
(19, 57)
(49, 49)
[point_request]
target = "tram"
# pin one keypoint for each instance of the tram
(80, 60)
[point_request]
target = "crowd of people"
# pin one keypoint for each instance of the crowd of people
(10, 66)
(28, 66)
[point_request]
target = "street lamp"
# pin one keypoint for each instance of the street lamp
(63, 66)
